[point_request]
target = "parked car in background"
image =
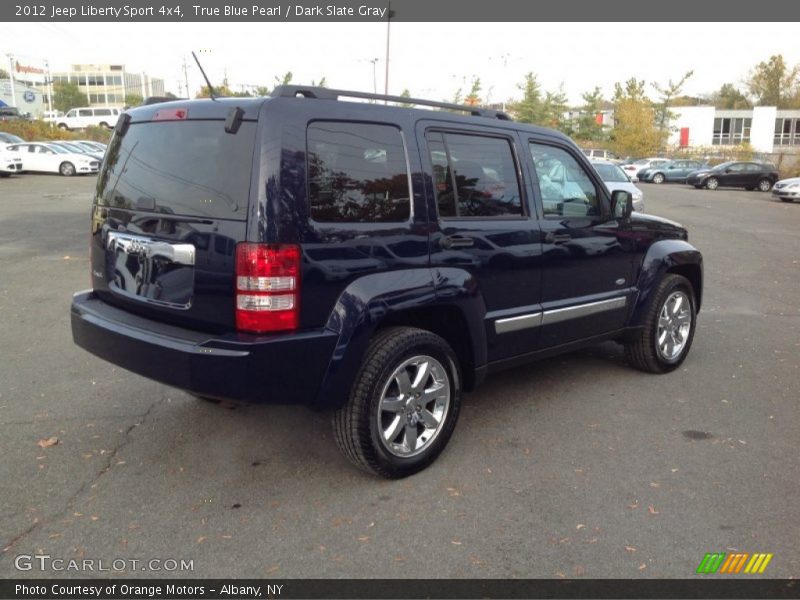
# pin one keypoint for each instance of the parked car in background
(787, 190)
(80, 118)
(632, 167)
(649, 164)
(10, 138)
(49, 158)
(11, 113)
(92, 145)
(76, 147)
(599, 154)
(748, 175)
(52, 116)
(674, 171)
(616, 179)
(10, 162)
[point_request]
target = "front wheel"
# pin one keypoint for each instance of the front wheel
(403, 406)
(658, 178)
(764, 185)
(712, 183)
(668, 328)
(67, 169)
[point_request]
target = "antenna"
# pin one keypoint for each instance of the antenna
(210, 87)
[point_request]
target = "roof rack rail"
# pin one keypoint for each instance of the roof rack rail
(292, 91)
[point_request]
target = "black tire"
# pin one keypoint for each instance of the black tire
(764, 185)
(712, 183)
(356, 425)
(658, 178)
(106, 125)
(67, 169)
(63, 126)
(643, 350)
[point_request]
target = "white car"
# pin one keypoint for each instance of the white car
(616, 179)
(10, 162)
(79, 118)
(633, 169)
(48, 158)
(787, 190)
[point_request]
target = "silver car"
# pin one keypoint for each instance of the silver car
(788, 190)
(616, 179)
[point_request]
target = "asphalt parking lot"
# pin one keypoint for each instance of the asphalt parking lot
(573, 467)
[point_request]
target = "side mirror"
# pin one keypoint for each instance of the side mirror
(621, 204)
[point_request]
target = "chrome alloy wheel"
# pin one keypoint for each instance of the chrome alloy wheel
(413, 406)
(674, 326)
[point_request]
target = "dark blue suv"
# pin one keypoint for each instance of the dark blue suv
(368, 258)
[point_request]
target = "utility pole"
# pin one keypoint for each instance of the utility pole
(11, 79)
(49, 87)
(374, 61)
(186, 76)
(389, 15)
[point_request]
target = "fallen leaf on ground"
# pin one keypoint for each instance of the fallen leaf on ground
(455, 543)
(580, 526)
(201, 539)
(634, 505)
(363, 538)
(642, 567)
(630, 548)
(652, 510)
(47, 443)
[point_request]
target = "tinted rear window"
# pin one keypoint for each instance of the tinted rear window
(180, 167)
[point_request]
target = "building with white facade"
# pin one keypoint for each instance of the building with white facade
(764, 128)
(110, 85)
(27, 99)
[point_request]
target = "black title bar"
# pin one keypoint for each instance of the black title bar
(176, 11)
(168, 589)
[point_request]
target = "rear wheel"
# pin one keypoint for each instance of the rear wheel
(668, 328)
(712, 183)
(403, 406)
(106, 125)
(658, 178)
(765, 185)
(67, 169)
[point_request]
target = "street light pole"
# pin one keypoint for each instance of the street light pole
(374, 61)
(389, 15)
(11, 79)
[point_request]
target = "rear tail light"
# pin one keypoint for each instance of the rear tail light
(267, 287)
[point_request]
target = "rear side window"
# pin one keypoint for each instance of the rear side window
(357, 173)
(102, 112)
(474, 176)
(86, 112)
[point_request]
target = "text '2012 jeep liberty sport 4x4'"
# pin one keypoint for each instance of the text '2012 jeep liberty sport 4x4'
(369, 258)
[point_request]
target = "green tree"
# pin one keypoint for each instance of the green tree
(531, 108)
(3, 74)
(729, 97)
(667, 95)
(554, 107)
(134, 100)
(406, 94)
(773, 83)
(323, 83)
(587, 127)
(67, 96)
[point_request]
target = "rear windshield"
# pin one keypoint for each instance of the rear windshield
(180, 167)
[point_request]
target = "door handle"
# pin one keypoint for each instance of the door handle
(557, 238)
(449, 242)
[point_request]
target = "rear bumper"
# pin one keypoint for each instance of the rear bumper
(278, 369)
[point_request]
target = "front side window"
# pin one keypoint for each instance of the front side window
(357, 173)
(86, 112)
(565, 188)
(474, 176)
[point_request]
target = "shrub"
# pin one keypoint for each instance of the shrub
(37, 131)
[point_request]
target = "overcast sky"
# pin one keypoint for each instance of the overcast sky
(430, 59)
